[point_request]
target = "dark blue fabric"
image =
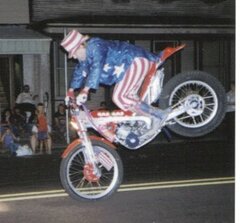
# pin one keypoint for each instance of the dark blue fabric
(42, 135)
(106, 63)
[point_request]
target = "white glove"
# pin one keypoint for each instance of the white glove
(81, 98)
(69, 95)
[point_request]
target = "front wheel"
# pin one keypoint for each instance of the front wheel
(82, 182)
(202, 95)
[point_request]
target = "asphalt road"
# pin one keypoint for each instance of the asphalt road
(192, 204)
(191, 182)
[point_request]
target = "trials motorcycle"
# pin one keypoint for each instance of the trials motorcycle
(91, 169)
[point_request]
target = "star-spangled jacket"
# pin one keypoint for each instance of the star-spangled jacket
(106, 63)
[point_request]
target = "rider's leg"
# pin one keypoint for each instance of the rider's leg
(125, 94)
(148, 109)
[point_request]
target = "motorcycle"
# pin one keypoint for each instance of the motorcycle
(91, 169)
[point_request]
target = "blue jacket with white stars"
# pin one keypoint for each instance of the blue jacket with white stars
(106, 63)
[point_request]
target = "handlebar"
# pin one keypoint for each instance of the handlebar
(79, 100)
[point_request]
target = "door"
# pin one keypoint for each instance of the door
(10, 80)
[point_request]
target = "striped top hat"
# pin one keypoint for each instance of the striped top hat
(72, 42)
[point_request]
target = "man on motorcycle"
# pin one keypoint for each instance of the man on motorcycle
(111, 62)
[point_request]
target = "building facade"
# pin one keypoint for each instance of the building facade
(207, 27)
(24, 54)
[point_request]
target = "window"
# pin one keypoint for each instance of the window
(59, 71)
(215, 60)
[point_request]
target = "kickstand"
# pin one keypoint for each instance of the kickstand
(167, 134)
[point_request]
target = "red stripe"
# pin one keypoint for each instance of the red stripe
(123, 86)
(70, 40)
(105, 160)
(132, 76)
(137, 78)
(127, 90)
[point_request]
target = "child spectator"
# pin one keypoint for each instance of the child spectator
(41, 131)
(8, 139)
(7, 120)
(60, 119)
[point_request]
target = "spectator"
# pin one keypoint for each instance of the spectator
(60, 119)
(18, 120)
(8, 139)
(25, 101)
(103, 105)
(1, 130)
(7, 120)
(6, 117)
(41, 131)
(231, 112)
(231, 98)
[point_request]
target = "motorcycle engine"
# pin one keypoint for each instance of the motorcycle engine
(129, 133)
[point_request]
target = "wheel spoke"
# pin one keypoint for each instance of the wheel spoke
(208, 97)
(184, 117)
(83, 180)
(210, 109)
(201, 117)
(81, 183)
(204, 98)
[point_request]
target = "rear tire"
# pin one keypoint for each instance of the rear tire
(210, 98)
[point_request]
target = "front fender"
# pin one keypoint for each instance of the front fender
(76, 142)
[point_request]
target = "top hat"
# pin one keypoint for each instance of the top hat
(72, 42)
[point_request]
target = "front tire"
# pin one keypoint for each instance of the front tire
(81, 183)
(208, 95)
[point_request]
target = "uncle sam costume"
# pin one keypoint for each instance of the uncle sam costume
(114, 62)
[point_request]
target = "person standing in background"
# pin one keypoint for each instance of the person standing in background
(25, 100)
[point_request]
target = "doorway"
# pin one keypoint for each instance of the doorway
(11, 80)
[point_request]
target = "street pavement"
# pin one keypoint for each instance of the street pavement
(158, 162)
(189, 204)
(153, 162)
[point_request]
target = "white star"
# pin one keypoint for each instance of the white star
(106, 67)
(118, 70)
(84, 73)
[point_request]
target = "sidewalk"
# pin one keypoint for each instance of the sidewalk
(153, 162)
(57, 145)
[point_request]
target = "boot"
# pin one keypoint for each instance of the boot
(155, 112)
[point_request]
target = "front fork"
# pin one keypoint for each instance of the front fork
(88, 151)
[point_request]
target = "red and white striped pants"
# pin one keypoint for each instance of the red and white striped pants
(125, 93)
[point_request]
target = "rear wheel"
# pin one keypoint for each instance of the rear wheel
(203, 95)
(82, 182)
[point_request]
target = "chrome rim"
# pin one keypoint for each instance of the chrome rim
(200, 101)
(91, 189)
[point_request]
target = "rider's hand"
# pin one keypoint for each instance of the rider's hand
(82, 98)
(69, 96)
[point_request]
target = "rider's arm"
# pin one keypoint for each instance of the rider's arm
(79, 75)
(97, 52)
(85, 90)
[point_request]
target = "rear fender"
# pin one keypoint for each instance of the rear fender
(76, 142)
(169, 51)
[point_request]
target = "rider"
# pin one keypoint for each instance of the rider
(111, 62)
